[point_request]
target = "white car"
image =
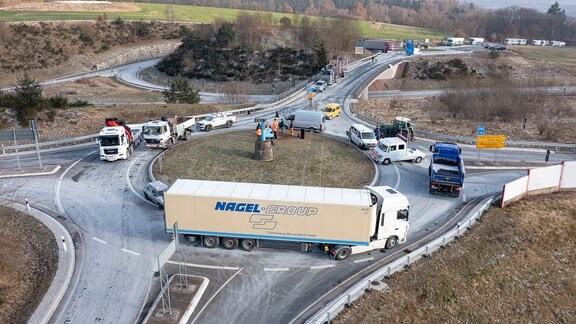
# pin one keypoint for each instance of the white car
(391, 149)
(320, 86)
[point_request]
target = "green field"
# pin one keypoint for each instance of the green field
(562, 55)
(159, 12)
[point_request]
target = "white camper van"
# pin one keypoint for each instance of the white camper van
(362, 136)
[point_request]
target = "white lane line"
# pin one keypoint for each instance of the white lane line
(364, 260)
(323, 266)
(215, 294)
(129, 251)
(276, 269)
(57, 199)
(127, 177)
(99, 240)
(194, 265)
(397, 176)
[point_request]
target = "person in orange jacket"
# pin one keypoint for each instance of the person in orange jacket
(275, 128)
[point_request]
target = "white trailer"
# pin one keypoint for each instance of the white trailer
(540, 42)
(557, 43)
(165, 132)
(476, 40)
(341, 221)
(391, 149)
(455, 41)
(514, 41)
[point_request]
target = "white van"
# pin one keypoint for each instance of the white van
(362, 136)
(313, 121)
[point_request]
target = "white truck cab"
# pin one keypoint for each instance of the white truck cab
(392, 149)
(114, 144)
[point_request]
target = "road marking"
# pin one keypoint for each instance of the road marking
(364, 260)
(204, 266)
(323, 266)
(276, 269)
(99, 240)
(215, 294)
(57, 199)
(129, 251)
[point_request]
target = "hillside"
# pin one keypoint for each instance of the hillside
(516, 266)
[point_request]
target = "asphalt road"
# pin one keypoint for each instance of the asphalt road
(118, 235)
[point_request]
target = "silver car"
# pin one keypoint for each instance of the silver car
(154, 191)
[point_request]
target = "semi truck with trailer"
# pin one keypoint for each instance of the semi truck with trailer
(115, 141)
(165, 132)
(446, 169)
(340, 221)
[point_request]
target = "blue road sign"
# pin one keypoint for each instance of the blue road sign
(480, 130)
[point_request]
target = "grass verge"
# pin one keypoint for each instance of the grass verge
(313, 161)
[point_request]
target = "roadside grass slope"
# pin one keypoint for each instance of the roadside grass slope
(518, 265)
(198, 14)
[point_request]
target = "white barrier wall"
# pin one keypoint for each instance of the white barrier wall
(540, 180)
(514, 190)
(568, 175)
(543, 178)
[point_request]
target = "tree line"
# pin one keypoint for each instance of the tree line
(449, 16)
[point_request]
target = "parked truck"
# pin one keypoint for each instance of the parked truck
(165, 132)
(391, 149)
(446, 169)
(216, 120)
(115, 141)
(340, 221)
(401, 127)
(455, 41)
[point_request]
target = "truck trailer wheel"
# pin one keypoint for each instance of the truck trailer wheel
(248, 244)
(229, 243)
(391, 242)
(342, 252)
(210, 241)
(418, 160)
(386, 161)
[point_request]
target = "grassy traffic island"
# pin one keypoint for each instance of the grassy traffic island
(315, 160)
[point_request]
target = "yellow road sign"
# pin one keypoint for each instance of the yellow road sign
(309, 96)
(490, 141)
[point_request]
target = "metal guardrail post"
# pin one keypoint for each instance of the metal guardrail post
(407, 266)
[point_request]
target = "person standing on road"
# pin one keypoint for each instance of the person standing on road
(282, 125)
(258, 130)
(275, 128)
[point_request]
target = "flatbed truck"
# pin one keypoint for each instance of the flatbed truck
(340, 221)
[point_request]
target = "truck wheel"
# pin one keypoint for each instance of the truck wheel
(248, 244)
(146, 196)
(187, 134)
(391, 242)
(343, 253)
(228, 124)
(211, 241)
(418, 160)
(190, 237)
(208, 128)
(386, 161)
(170, 143)
(230, 243)
(127, 154)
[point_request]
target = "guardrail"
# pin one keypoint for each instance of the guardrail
(50, 144)
(334, 307)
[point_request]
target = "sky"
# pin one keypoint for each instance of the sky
(540, 5)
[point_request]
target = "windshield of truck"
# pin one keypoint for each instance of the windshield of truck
(209, 118)
(383, 147)
(369, 135)
(109, 140)
(151, 130)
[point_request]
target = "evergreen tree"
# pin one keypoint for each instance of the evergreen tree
(26, 98)
(555, 10)
(225, 35)
(181, 91)
(321, 56)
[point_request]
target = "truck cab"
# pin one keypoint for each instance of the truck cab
(114, 144)
(156, 133)
(392, 149)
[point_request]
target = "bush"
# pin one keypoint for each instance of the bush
(58, 102)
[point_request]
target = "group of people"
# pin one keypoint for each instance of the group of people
(276, 127)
